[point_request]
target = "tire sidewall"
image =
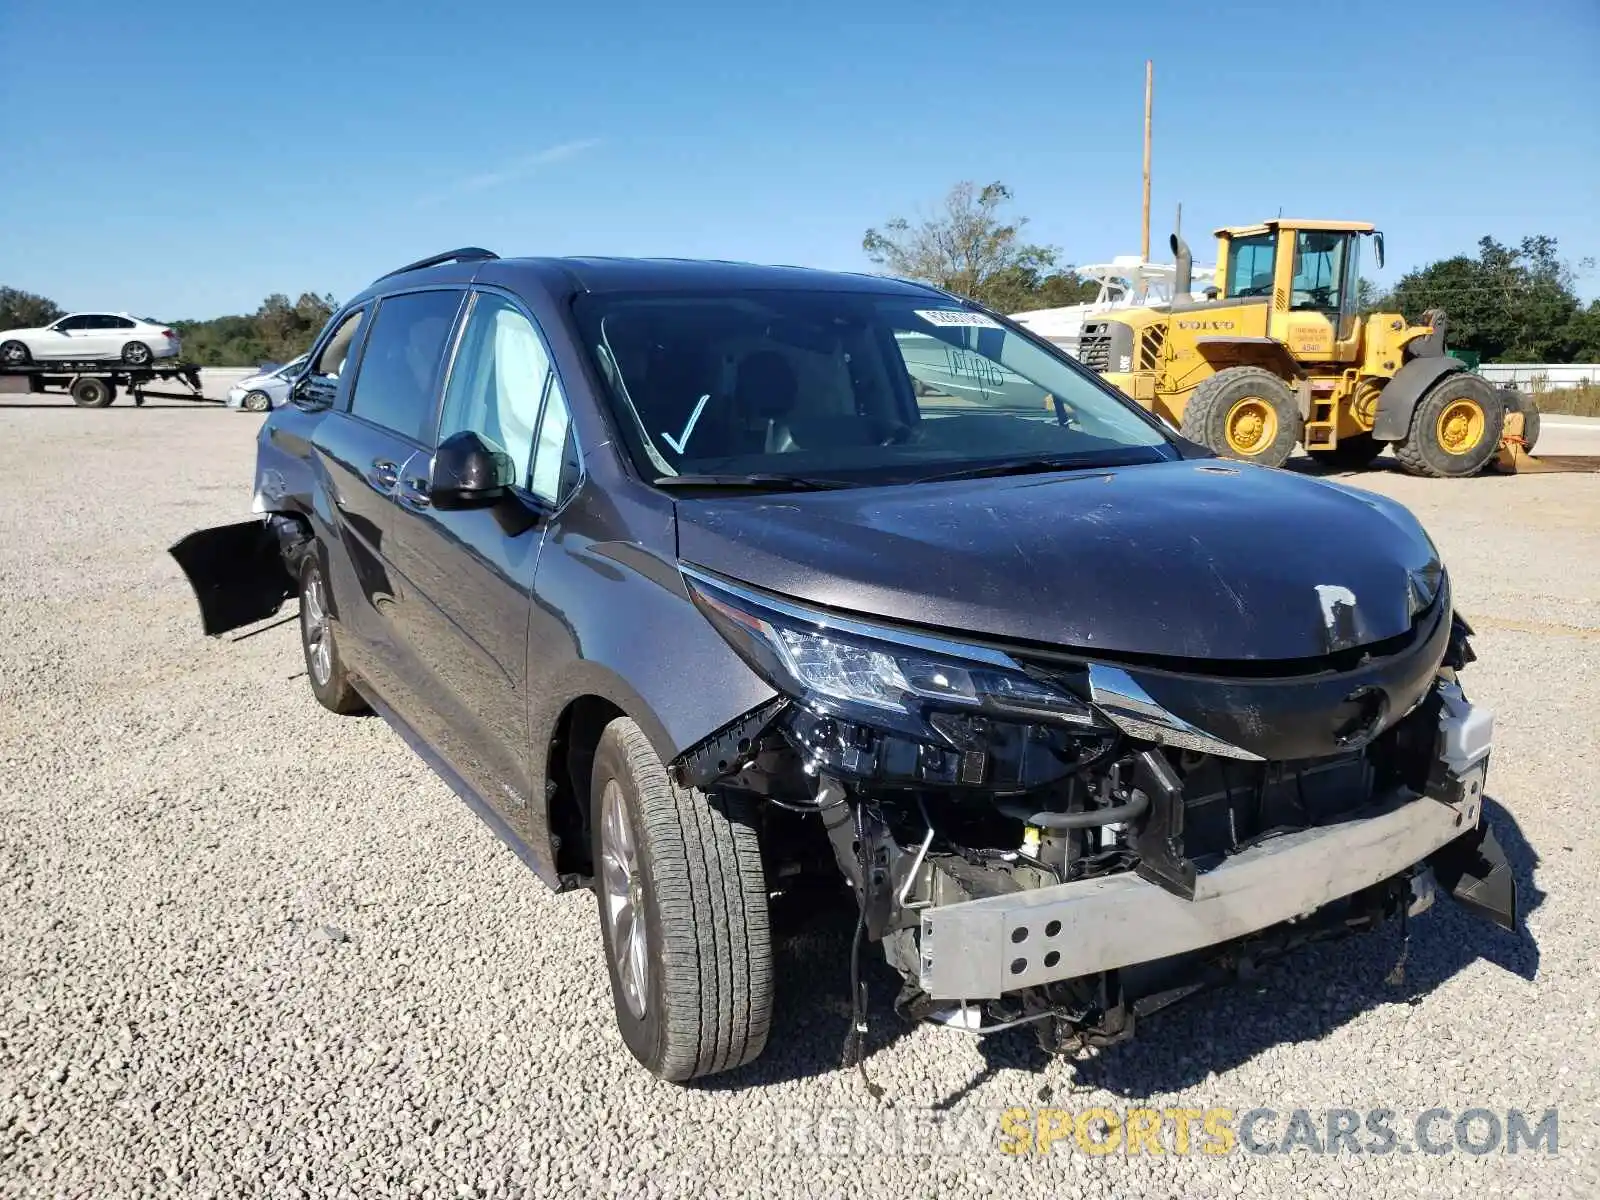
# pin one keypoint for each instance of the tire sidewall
(644, 1036)
(1423, 441)
(92, 393)
(1228, 390)
(327, 694)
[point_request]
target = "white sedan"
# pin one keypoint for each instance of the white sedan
(115, 336)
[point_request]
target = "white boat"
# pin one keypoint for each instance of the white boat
(1127, 281)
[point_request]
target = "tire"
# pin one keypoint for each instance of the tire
(1455, 428)
(137, 354)
(92, 392)
(1353, 453)
(256, 401)
(1247, 414)
(330, 682)
(689, 863)
(1521, 402)
(14, 354)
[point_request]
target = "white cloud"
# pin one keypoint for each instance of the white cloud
(517, 168)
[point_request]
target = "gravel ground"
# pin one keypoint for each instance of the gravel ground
(247, 947)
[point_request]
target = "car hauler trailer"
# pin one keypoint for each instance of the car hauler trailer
(94, 383)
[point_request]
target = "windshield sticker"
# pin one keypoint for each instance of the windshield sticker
(957, 316)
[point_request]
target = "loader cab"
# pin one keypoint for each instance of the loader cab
(1308, 275)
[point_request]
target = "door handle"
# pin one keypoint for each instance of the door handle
(415, 494)
(385, 474)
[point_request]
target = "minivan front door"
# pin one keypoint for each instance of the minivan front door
(468, 573)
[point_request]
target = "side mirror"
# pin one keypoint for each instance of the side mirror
(1213, 292)
(1377, 246)
(469, 472)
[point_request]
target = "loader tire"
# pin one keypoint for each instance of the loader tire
(1245, 413)
(681, 869)
(1354, 452)
(1455, 429)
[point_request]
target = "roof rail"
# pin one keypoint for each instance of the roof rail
(464, 254)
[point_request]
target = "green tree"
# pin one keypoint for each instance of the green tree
(1510, 304)
(969, 248)
(276, 332)
(24, 310)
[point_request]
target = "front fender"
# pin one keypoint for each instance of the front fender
(637, 641)
(1400, 395)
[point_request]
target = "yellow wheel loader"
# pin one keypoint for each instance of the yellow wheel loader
(1277, 355)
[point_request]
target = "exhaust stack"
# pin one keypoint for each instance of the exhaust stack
(1185, 264)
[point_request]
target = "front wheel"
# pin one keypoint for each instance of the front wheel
(683, 911)
(136, 354)
(14, 354)
(1455, 429)
(1245, 413)
(257, 402)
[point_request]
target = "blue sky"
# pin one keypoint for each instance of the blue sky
(227, 151)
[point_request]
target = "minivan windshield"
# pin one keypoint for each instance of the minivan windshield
(851, 387)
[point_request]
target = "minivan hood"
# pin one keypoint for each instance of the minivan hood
(1195, 559)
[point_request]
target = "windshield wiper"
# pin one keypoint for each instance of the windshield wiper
(754, 482)
(1017, 466)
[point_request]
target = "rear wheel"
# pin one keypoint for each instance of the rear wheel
(136, 354)
(683, 909)
(1353, 453)
(91, 392)
(1455, 429)
(257, 401)
(330, 682)
(1245, 413)
(14, 354)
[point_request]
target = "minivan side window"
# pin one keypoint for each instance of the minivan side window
(555, 452)
(498, 381)
(399, 377)
(330, 363)
(320, 381)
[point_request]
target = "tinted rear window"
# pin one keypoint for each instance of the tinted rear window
(399, 379)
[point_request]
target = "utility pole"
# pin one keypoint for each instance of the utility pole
(1149, 79)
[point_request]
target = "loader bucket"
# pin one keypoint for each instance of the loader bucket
(1514, 459)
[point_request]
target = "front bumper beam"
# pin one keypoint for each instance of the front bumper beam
(981, 949)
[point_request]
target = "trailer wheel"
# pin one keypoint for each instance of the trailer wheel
(1455, 430)
(14, 354)
(92, 392)
(683, 910)
(136, 354)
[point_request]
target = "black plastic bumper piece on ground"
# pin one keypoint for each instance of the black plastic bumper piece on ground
(1474, 870)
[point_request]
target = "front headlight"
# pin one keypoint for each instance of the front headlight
(1425, 584)
(882, 677)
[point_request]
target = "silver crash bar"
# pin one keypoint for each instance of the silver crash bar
(981, 949)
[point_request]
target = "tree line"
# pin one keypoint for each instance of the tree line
(1508, 303)
(276, 332)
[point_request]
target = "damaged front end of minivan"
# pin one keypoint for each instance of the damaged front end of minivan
(1041, 837)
